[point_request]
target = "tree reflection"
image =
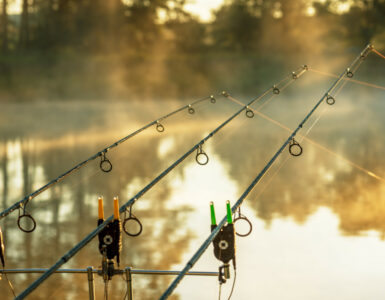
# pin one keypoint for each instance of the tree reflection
(68, 212)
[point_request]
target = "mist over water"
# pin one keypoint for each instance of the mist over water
(318, 220)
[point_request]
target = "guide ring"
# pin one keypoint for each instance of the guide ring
(131, 217)
(241, 217)
(201, 157)
(28, 216)
(212, 99)
(276, 90)
(349, 73)
(294, 145)
(159, 127)
(105, 165)
(330, 100)
(293, 75)
(135, 219)
(191, 110)
(249, 112)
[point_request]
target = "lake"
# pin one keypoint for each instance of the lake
(318, 219)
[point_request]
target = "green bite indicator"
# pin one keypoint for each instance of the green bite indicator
(213, 220)
(229, 213)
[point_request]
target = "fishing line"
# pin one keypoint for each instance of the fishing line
(125, 280)
(2, 260)
(323, 148)
(280, 166)
(378, 53)
(9, 283)
(106, 290)
(324, 110)
(351, 70)
(302, 137)
(274, 94)
(340, 88)
(270, 180)
(259, 99)
(232, 287)
(278, 91)
(122, 208)
(260, 175)
(364, 83)
(105, 164)
(290, 78)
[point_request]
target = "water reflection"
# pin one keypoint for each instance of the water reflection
(175, 212)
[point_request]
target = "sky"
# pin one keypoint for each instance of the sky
(200, 8)
(203, 8)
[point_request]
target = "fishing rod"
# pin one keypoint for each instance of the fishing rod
(318, 145)
(105, 164)
(218, 228)
(131, 202)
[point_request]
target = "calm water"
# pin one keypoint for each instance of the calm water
(318, 219)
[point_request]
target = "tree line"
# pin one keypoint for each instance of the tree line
(94, 49)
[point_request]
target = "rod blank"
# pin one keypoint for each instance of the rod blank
(58, 179)
(215, 231)
(95, 232)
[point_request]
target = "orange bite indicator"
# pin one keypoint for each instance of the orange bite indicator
(116, 208)
(101, 210)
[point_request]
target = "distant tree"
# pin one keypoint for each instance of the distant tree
(188, 35)
(4, 26)
(235, 27)
(365, 20)
(24, 25)
(143, 22)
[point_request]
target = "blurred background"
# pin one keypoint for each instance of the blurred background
(77, 75)
(70, 49)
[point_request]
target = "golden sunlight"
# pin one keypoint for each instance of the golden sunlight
(203, 8)
(14, 7)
